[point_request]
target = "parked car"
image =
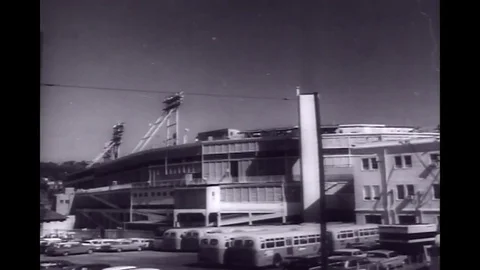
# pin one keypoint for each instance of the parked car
(120, 268)
(365, 246)
(301, 262)
(68, 248)
(349, 262)
(352, 252)
(147, 243)
(96, 266)
(96, 244)
(387, 259)
(55, 265)
(313, 262)
(122, 245)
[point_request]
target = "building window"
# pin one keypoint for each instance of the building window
(407, 219)
(405, 190)
(410, 190)
(365, 164)
(436, 191)
(398, 162)
(153, 194)
(367, 194)
(435, 159)
(373, 219)
(61, 201)
(159, 193)
(403, 161)
(369, 164)
(400, 192)
(67, 201)
(376, 192)
(145, 194)
(140, 194)
(134, 195)
(374, 163)
(171, 193)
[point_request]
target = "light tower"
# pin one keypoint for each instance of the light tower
(170, 115)
(112, 147)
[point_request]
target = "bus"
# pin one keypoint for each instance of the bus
(261, 249)
(172, 238)
(191, 239)
(349, 236)
(213, 245)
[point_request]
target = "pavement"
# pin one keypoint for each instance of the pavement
(155, 259)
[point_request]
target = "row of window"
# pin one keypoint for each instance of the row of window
(65, 201)
(153, 194)
(298, 240)
(348, 234)
(372, 192)
(400, 162)
(402, 219)
(251, 194)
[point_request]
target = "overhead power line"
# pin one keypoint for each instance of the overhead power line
(161, 92)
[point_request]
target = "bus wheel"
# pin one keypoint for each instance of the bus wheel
(277, 261)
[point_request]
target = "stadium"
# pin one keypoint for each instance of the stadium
(226, 177)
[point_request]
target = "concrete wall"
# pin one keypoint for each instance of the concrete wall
(421, 175)
(64, 201)
(55, 226)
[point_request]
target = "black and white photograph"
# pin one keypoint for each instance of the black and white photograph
(230, 134)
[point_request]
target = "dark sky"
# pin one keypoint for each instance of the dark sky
(375, 62)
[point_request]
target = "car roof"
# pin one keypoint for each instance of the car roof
(345, 258)
(120, 268)
(347, 250)
(303, 257)
(380, 251)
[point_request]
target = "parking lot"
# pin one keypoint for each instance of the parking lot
(156, 259)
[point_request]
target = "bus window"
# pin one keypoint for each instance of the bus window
(270, 244)
(195, 234)
(262, 246)
(303, 240)
(213, 242)
(288, 241)
(311, 239)
(295, 240)
(350, 235)
(318, 239)
(279, 243)
(204, 241)
(248, 243)
(237, 243)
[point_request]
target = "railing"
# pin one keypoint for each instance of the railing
(107, 188)
(95, 233)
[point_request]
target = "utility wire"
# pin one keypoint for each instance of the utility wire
(160, 92)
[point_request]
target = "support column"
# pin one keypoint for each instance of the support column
(249, 218)
(219, 219)
(175, 219)
(206, 214)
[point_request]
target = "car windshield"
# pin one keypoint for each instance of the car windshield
(376, 255)
(340, 253)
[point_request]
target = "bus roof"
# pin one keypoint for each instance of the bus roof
(281, 232)
(335, 229)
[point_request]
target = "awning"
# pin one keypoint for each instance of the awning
(47, 215)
